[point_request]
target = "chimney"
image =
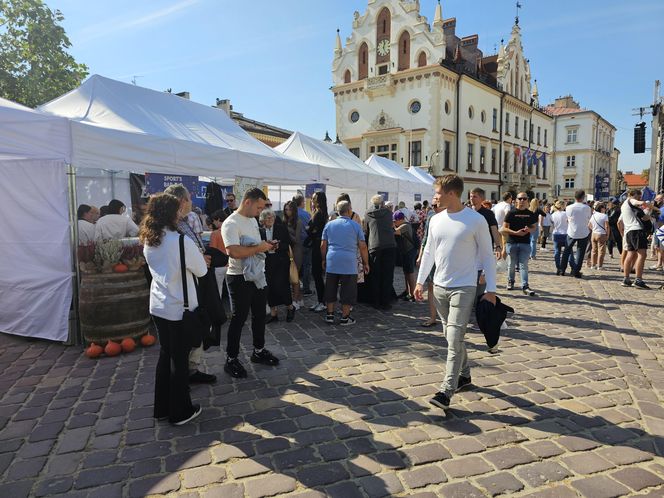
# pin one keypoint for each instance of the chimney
(566, 102)
(224, 105)
(449, 27)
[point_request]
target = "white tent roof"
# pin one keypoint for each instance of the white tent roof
(423, 175)
(28, 134)
(407, 182)
(339, 166)
(125, 127)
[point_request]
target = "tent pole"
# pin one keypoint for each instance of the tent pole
(74, 337)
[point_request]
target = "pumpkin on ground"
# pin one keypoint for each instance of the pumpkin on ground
(112, 348)
(128, 345)
(94, 351)
(148, 340)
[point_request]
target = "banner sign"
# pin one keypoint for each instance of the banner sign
(417, 197)
(242, 184)
(311, 188)
(602, 186)
(156, 182)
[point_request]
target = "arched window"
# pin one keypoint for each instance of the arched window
(383, 23)
(404, 51)
(363, 62)
(422, 59)
(347, 76)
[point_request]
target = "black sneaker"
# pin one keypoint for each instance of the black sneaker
(558, 273)
(528, 291)
(271, 318)
(627, 282)
(578, 274)
(463, 383)
(199, 377)
(290, 315)
(197, 411)
(235, 369)
(348, 320)
(329, 318)
(264, 357)
(510, 285)
(440, 400)
(640, 284)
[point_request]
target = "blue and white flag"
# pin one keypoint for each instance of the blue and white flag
(647, 194)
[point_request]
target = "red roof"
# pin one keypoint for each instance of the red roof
(559, 111)
(634, 180)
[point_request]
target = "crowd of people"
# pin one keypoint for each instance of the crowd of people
(450, 249)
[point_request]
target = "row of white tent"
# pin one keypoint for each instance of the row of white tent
(109, 125)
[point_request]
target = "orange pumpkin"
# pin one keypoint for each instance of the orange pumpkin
(94, 351)
(128, 345)
(120, 268)
(112, 348)
(148, 340)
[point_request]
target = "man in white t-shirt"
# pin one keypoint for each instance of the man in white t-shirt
(459, 244)
(578, 217)
(245, 294)
(500, 210)
(636, 239)
(559, 223)
(87, 217)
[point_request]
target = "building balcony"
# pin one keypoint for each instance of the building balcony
(379, 85)
(511, 178)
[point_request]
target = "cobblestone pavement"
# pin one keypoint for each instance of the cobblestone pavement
(572, 406)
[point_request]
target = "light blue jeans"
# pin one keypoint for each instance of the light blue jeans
(533, 242)
(518, 255)
(454, 305)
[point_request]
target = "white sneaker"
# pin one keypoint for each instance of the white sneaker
(296, 305)
(600, 268)
(320, 307)
(301, 303)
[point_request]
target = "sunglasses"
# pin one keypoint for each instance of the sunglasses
(522, 198)
(268, 205)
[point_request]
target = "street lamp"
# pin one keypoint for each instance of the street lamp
(430, 170)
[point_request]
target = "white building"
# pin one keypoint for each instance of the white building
(422, 96)
(584, 153)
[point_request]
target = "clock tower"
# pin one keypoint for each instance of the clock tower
(383, 40)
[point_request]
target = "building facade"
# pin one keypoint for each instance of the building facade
(268, 134)
(584, 154)
(421, 96)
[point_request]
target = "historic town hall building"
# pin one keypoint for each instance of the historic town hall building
(420, 95)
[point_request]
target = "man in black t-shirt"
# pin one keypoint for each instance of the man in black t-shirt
(519, 223)
(477, 196)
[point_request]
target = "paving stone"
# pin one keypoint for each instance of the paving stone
(599, 487)
(466, 467)
(16, 489)
(587, 463)
(196, 478)
(187, 460)
(154, 485)
(381, 485)
(247, 468)
(269, 486)
(295, 458)
(507, 458)
(226, 452)
(96, 477)
(559, 491)
(229, 490)
(542, 473)
(576, 443)
(500, 483)
(346, 489)
(423, 476)
(23, 469)
(74, 440)
(544, 449)
(362, 465)
(624, 455)
(433, 452)
(460, 490)
(54, 486)
(637, 478)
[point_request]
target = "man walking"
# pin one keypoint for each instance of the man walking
(578, 232)
(518, 226)
(458, 243)
(559, 221)
(382, 252)
(636, 238)
(243, 242)
(342, 237)
(477, 196)
(305, 217)
(500, 210)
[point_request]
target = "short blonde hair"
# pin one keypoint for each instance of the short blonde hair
(450, 183)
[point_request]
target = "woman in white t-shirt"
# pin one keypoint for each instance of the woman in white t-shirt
(599, 224)
(116, 224)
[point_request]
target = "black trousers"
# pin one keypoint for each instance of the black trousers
(171, 389)
(246, 296)
(615, 240)
(317, 270)
(381, 263)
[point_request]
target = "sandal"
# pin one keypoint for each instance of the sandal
(429, 323)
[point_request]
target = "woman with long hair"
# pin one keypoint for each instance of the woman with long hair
(315, 232)
(294, 224)
(161, 241)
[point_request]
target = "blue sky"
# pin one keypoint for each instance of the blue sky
(272, 59)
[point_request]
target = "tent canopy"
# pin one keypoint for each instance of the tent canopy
(408, 183)
(125, 127)
(423, 175)
(339, 166)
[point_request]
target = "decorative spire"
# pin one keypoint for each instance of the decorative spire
(337, 48)
(457, 54)
(438, 16)
(501, 52)
(327, 137)
(535, 90)
(337, 141)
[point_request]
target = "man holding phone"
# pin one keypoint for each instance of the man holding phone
(518, 225)
(245, 295)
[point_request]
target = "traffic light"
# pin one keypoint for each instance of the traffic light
(640, 138)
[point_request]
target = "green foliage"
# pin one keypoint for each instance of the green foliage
(34, 64)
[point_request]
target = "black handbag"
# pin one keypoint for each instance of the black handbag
(196, 323)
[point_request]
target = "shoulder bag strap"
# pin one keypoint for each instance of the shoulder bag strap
(183, 269)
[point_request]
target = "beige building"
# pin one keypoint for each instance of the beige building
(422, 96)
(584, 153)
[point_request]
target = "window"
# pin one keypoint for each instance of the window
(570, 162)
(354, 117)
(372, 149)
(404, 51)
(507, 123)
(483, 116)
(571, 135)
(471, 149)
(506, 158)
(471, 112)
(525, 130)
(539, 133)
(545, 137)
(422, 60)
(482, 156)
(494, 153)
(347, 76)
(532, 130)
(363, 64)
(446, 156)
(494, 121)
(382, 69)
(516, 127)
(415, 153)
(569, 182)
(355, 151)
(415, 106)
(447, 107)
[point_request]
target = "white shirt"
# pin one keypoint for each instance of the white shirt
(500, 210)
(559, 220)
(233, 228)
(115, 226)
(86, 232)
(546, 220)
(629, 218)
(166, 296)
(578, 216)
(459, 244)
(598, 222)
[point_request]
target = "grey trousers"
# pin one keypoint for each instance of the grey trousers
(454, 305)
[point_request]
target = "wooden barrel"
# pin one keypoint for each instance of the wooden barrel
(113, 306)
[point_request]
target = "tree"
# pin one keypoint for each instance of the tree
(645, 174)
(34, 64)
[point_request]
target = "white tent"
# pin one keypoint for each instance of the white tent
(35, 268)
(423, 175)
(123, 127)
(409, 185)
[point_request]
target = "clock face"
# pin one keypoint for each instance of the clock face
(383, 47)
